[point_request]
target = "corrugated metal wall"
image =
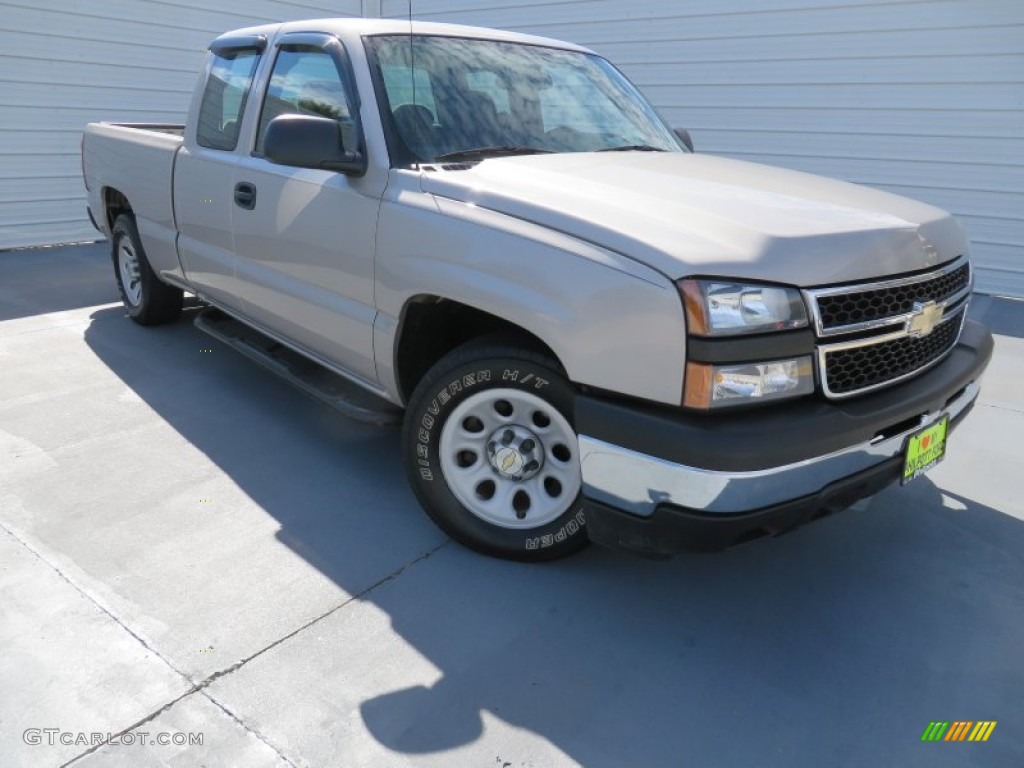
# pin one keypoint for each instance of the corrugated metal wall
(920, 97)
(64, 63)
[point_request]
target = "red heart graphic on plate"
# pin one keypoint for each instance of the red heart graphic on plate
(925, 441)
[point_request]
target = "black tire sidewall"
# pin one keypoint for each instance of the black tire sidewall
(125, 227)
(158, 302)
(433, 402)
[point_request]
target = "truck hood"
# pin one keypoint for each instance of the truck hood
(695, 214)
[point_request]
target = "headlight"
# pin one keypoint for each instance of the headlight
(722, 308)
(711, 386)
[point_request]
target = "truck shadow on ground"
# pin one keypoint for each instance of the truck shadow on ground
(783, 652)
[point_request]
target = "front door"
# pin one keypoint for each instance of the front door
(305, 238)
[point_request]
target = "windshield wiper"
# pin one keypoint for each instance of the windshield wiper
(484, 152)
(633, 148)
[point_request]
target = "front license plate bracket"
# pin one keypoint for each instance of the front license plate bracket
(924, 449)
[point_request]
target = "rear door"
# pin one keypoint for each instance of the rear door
(305, 244)
(205, 169)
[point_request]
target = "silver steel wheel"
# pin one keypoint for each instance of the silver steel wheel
(131, 275)
(511, 458)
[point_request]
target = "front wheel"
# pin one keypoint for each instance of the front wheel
(492, 454)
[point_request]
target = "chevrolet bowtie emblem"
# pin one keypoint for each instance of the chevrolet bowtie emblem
(924, 318)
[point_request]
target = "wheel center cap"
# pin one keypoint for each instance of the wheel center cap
(515, 452)
(508, 461)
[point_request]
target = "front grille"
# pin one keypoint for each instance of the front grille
(874, 334)
(863, 306)
(864, 367)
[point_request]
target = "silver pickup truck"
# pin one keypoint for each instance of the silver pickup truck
(589, 331)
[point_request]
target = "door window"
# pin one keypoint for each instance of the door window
(306, 81)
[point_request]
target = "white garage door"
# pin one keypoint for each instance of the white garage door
(920, 97)
(64, 63)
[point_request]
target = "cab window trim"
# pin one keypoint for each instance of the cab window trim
(230, 43)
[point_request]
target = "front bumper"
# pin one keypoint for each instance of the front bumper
(658, 480)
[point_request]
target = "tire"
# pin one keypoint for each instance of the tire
(489, 405)
(147, 300)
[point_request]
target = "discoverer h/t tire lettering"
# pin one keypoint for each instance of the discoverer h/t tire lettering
(492, 455)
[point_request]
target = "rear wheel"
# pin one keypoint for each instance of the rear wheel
(147, 300)
(492, 454)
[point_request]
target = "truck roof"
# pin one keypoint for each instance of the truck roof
(360, 26)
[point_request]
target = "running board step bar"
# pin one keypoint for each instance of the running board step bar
(313, 379)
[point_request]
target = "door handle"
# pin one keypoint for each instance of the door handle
(245, 195)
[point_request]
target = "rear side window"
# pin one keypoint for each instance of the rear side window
(220, 113)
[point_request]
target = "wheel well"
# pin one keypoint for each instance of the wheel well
(114, 204)
(431, 327)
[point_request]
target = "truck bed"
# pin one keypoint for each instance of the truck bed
(137, 161)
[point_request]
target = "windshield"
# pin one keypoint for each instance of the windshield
(446, 96)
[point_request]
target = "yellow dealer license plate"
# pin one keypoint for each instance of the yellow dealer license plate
(925, 449)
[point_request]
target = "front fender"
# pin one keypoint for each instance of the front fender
(613, 323)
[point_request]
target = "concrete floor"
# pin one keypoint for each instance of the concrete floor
(187, 545)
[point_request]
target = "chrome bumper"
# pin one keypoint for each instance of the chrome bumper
(637, 483)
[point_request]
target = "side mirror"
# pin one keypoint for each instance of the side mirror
(684, 136)
(308, 141)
